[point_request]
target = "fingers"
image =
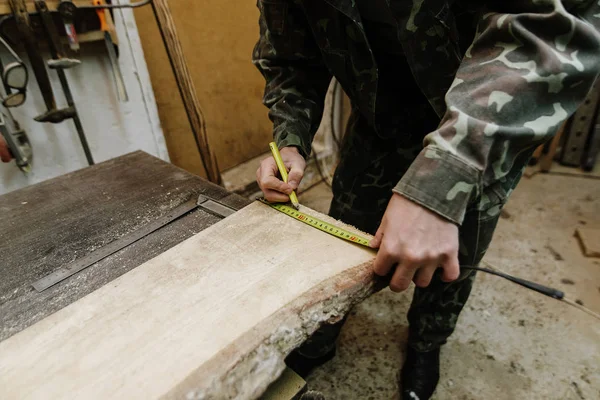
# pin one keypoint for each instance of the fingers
(451, 268)
(295, 164)
(273, 188)
(384, 262)
(376, 241)
(295, 175)
(410, 267)
(424, 274)
(275, 196)
(408, 264)
(402, 278)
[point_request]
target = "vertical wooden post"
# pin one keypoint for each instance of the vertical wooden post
(186, 86)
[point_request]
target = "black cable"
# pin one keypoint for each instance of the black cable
(545, 290)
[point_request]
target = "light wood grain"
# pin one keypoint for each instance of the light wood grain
(210, 318)
(217, 37)
(589, 238)
(186, 87)
(546, 159)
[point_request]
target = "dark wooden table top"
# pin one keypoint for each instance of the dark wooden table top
(48, 225)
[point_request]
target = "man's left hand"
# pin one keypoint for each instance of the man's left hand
(416, 241)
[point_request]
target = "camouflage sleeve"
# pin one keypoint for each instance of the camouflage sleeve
(296, 77)
(527, 70)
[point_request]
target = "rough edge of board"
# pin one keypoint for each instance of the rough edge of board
(245, 368)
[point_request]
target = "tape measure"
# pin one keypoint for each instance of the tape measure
(317, 223)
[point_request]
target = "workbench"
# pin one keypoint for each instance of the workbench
(48, 225)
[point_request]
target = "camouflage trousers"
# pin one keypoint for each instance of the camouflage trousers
(370, 167)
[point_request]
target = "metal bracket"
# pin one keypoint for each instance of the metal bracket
(214, 207)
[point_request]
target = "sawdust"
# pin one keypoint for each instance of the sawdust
(557, 256)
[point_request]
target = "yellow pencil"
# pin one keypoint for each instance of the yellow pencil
(283, 172)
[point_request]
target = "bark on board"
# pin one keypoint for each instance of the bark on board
(211, 318)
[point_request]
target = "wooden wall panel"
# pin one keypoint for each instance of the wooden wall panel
(217, 38)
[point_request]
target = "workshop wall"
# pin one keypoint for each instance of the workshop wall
(112, 128)
(217, 37)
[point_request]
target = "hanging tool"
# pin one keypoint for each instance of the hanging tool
(54, 46)
(59, 58)
(283, 172)
(38, 65)
(67, 11)
(112, 54)
(17, 141)
(15, 77)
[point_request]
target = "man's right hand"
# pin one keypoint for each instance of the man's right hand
(5, 155)
(269, 180)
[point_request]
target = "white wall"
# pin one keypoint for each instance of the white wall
(112, 128)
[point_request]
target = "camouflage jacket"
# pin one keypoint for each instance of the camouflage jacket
(529, 66)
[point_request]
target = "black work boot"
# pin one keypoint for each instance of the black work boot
(420, 374)
(303, 365)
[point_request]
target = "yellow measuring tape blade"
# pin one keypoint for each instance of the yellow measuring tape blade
(319, 224)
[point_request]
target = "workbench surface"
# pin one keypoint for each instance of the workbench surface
(48, 225)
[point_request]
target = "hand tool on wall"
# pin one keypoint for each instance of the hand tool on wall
(59, 65)
(59, 60)
(17, 141)
(14, 76)
(67, 10)
(38, 65)
(183, 77)
(112, 53)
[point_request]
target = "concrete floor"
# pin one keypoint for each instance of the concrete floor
(510, 343)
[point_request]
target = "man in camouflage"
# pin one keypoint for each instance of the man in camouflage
(444, 121)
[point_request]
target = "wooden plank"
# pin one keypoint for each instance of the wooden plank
(547, 159)
(195, 115)
(589, 238)
(212, 317)
(229, 87)
(48, 225)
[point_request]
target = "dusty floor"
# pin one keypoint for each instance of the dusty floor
(511, 343)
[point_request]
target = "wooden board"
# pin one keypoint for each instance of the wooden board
(48, 225)
(210, 318)
(589, 238)
(217, 38)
